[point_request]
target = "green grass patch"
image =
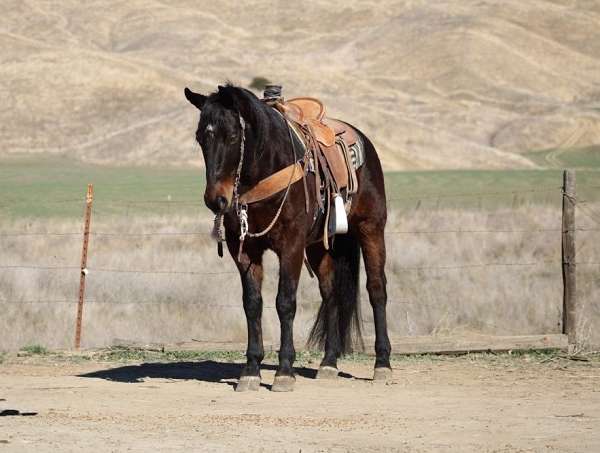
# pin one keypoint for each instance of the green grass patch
(132, 354)
(483, 189)
(135, 354)
(127, 354)
(587, 157)
(55, 187)
(472, 188)
(35, 349)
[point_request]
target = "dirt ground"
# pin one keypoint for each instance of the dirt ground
(470, 403)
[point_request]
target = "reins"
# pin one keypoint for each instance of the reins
(241, 207)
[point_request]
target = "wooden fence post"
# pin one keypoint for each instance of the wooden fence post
(569, 258)
(86, 235)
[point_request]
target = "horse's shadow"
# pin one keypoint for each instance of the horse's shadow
(206, 371)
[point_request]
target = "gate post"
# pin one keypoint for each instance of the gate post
(570, 314)
(86, 235)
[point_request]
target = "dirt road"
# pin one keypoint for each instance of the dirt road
(471, 403)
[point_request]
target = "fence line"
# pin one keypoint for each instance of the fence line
(158, 272)
(201, 203)
(26, 267)
(118, 302)
(155, 233)
(172, 272)
(584, 207)
(473, 194)
(38, 301)
(394, 302)
(198, 233)
(19, 202)
(450, 266)
(541, 230)
(475, 265)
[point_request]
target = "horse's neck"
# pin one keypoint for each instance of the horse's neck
(274, 155)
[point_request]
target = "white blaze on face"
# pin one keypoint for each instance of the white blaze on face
(210, 128)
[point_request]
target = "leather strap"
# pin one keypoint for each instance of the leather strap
(273, 184)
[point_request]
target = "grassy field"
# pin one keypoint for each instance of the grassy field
(504, 277)
(44, 187)
(155, 354)
(585, 157)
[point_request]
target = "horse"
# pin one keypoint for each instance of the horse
(244, 141)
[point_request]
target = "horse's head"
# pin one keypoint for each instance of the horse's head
(219, 134)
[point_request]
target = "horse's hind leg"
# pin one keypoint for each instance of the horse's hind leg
(373, 248)
(323, 265)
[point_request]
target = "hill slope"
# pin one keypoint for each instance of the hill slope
(445, 84)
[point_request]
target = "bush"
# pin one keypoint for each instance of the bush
(259, 83)
(35, 349)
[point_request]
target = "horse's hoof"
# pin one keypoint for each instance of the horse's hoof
(327, 372)
(246, 383)
(283, 384)
(382, 374)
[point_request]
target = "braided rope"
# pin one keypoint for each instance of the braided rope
(242, 210)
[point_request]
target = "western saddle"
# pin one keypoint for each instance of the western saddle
(331, 139)
(333, 152)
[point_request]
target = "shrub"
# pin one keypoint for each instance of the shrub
(35, 349)
(259, 83)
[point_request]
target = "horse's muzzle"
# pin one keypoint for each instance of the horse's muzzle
(217, 197)
(217, 205)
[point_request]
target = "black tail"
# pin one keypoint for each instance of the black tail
(346, 257)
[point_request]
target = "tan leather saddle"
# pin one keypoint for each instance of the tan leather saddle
(333, 152)
(333, 137)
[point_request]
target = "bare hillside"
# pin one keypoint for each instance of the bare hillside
(444, 84)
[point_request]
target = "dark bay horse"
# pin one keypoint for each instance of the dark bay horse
(244, 141)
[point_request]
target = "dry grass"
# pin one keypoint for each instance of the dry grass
(140, 307)
(436, 84)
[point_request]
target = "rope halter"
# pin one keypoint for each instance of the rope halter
(242, 208)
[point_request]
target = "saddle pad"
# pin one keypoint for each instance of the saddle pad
(357, 154)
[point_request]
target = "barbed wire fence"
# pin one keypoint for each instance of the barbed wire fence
(584, 207)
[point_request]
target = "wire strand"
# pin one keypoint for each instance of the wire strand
(474, 194)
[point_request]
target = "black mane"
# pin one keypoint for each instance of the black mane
(263, 119)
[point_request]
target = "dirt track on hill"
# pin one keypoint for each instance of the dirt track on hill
(448, 404)
(435, 85)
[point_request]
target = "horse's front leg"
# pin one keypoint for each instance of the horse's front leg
(251, 273)
(290, 266)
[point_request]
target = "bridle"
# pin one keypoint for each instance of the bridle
(241, 208)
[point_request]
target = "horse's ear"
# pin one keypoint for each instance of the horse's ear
(196, 99)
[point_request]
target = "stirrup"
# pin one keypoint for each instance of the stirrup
(338, 221)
